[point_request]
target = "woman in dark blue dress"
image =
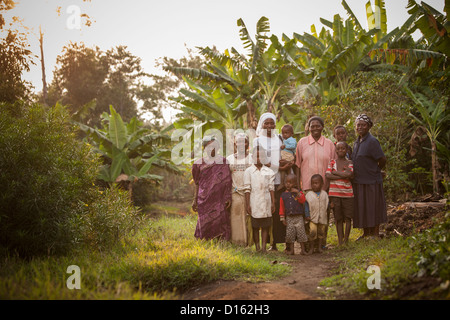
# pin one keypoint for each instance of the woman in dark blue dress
(368, 161)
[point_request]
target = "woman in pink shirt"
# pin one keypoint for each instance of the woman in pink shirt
(313, 154)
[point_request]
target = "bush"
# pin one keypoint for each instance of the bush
(48, 200)
(433, 247)
(105, 219)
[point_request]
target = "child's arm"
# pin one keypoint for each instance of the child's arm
(301, 197)
(282, 214)
(330, 173)
(272, 199)
(307, 215)
(247, 190)
(247, 203)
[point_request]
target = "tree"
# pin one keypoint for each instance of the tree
(128, 149)
(90, 80)
(433, 117)
(79, 79)
(156, 96)
(255, 79)
(15, 57)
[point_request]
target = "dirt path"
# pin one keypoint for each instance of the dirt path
(301, 284)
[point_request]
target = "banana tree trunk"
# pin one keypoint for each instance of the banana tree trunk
(251, 119)
(434, 168)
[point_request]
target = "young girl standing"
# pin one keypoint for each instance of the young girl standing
(339, 172)
(259, 197)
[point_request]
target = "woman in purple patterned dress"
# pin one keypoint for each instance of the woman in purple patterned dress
(212, 198)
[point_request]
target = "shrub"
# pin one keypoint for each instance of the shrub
(433, 247)
(48, 201)
(43, 169)
(105, 219)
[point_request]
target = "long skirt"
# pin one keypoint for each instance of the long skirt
(370, 205)
(213, 224)
(238, 219)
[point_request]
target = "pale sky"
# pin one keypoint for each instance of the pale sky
(153, 29)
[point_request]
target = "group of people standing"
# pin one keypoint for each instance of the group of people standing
(286, 190)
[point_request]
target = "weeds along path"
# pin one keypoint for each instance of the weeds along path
(301, 284)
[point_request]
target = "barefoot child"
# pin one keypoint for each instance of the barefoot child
(292, 213)
(259, 196)
(339, 172)
(317, 205)
(288, 149)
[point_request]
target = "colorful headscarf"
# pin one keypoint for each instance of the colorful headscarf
(364, 117)
(263, 118)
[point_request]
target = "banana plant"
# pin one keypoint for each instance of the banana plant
(255, 79)
(433, 118)
(127, 148)
(335, 54)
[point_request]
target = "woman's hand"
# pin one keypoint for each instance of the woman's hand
(273, 207)
(194, 205)
(227, 204)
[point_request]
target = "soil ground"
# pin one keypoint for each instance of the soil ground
(301, 284)
(308, 271)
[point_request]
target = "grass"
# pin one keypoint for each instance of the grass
(398, 269)
(160, 261)
(163, 259)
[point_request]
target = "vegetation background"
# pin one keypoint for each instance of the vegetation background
(86, 179)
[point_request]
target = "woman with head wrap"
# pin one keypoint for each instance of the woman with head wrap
(238, 162)
(269, 140)
(368, 161)
(212, 197)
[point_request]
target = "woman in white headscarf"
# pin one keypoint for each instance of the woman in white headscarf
(268, 138)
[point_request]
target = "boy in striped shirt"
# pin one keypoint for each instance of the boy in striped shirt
(339, 173)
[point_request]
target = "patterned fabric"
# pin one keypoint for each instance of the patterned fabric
(238, 216)
(295, 229)
(290, 204)
(340, 187)
(364, 117)
(214, 185)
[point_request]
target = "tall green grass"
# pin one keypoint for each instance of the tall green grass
(159, 261)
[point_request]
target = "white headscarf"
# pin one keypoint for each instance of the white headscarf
(263, 118)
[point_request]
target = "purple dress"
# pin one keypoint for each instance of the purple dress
(214, 181)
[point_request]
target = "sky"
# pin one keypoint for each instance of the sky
(153, 29)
